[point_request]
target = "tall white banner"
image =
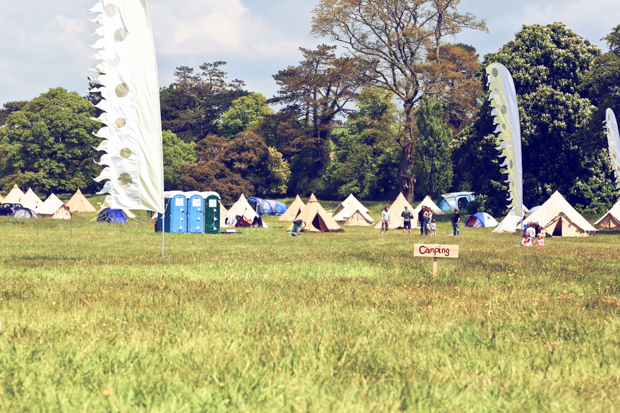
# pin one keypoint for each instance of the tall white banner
(613, 140)
(132, 137)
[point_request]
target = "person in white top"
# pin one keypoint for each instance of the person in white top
(385, 220)
(433, 228)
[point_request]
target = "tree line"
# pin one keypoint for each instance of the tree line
(394, 107)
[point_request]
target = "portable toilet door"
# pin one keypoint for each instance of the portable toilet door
(212, 215)
(176, 215)
(196, 215)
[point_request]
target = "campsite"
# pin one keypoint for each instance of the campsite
(265, 321)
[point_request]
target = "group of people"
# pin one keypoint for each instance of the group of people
(428, 226)
(533, 232)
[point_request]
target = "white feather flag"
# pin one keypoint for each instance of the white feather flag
(132, 137)
(613, 139)
(503, 97)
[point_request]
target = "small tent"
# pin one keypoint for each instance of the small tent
(480, 220)
(245, 213)
(511, 222)
(14, 197)
(293, 210)
(611, 220)
(267, 206)
(396, 209)
(24, 213)
(315, 218)
(30, 200)
(79, 203)
(558, 218)
(53, 208)
(117, 216)
(455, 200)
(351, 212)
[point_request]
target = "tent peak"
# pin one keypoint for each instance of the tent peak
(313, 198)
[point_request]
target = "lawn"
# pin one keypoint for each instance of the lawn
(93, 319)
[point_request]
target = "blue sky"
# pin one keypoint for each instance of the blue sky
(45, 44)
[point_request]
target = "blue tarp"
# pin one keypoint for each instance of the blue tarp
(267, 206)
(112, 215)
(450, 202)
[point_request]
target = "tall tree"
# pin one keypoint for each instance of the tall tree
(176, 153)
(393, 38)
(10, 107)
(48, 144)
(244, 112)
(433, 168)
(548, 64)
(316, 92)
(192, 105)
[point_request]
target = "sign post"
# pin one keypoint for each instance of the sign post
(435, 252)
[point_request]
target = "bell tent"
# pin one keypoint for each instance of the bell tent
(78, 203)
(53, 208)
(351, 212)
(315, 218)
(396, 209)
(480, 220)
(511, 222)
(558, 218)
(427, 201)
(30, 200)
(611, 220)
(245, 213)
(14, 197)
(293, 210)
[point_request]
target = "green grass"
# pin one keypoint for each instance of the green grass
(327, 322)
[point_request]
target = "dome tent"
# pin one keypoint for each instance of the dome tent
(24, 213)
(117, 216)
(455, 200)
(480, 220)
(267, 206)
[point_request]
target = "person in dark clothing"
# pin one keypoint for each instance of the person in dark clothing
(421, 220)
(456, 219)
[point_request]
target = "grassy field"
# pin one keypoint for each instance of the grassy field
(93, 319)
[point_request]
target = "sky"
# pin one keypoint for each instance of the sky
(44, 44)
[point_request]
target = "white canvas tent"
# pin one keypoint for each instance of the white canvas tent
(244, 210)
(79, 203)
(293, 210)
(14, 196)
(223, 213)
(30, 200)
(315, 218)
(351, 212)
(558, 218)
(396, 209)
(611, 220)
(53, 208)
(427, 201)
(511, 221)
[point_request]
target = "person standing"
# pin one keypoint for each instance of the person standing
(385, 220)
(406, 214)
(428, 216)
(421, 220)
(456, 219)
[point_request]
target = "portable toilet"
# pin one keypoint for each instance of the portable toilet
(196, 215)
(175, 220)
(212, 215)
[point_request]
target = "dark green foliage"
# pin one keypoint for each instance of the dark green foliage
(48, 144)
(549, 65)
(433, 166)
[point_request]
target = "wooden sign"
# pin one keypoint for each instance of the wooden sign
(435, 251)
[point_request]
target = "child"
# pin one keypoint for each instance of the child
(526, 241)
(433, 229)
(540, 242)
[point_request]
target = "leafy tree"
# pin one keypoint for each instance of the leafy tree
(8, 108)
(192, 105)
(176, 153)
(548, 64)
(365, 161)
(48, 144)
(245, 112)
(243, 165)
(433, 166)
(314, 93)
(602, 87)
(393, 39)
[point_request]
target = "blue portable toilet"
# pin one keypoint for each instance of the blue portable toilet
(196, 215)
(175, 219)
